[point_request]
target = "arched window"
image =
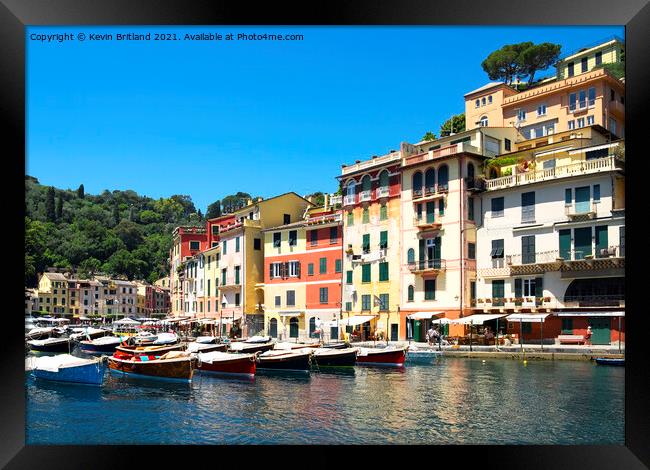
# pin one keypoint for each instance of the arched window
(596, 292)
(411, 256)
(430, 180)
(443, 177)
(483, 122)
(293, 327)
(411, 293)
(366, 183)
(350, 188)
(273, 328)
(383, 179)
(417, 183)
(470, 170)
(312, 327)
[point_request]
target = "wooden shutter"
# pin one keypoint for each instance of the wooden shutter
(565, 244)
(539, 287)
(383, 239)
(298, 268)
(271, 271)
(518, 291)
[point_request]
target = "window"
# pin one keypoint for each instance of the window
(528, 207)
(497, 207)
(581, 123)
(528, 249)
(286, 219)
(483, 101)
(323, 295)
(348, 306)
(572, 102)
(570, 69)
(507, 144)
(592, 96)
(429, 289)
(334, 235)
(237, 269)
(383, 212)
(277, 238)
(521, 114)
(350, 218)
(291, 298)
(257, 243)
(582, 98)
(208, 287)
(365, 216)
(224, 249)
(572, 125)
(365, 273)
(541, 110)
(383, 239)
(411, 294)
(528, 288)
(612, 126)
(365, 302)
(237, 299)
(365, 247)
(194, 246)
(383, 271)
(567, 326)
(497, 249)
(568, 196)
(471, 250)
(348, 277)
(498, 288)
(596, 193)
(383, 302)
(490, 99)
(322, 266)
(583, 63)
(278, 300)
(337, 266)
(483, 122)
(313, 236)
(293, 269)
(590, 120)
(441, 207)
(599, 58)
(275, 270)
(443, 177)
(478, 103)
(237, 245)
(310, 269)
(612, 95)
(470, 208)
(293, 237)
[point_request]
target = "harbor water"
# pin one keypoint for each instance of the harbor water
(449, 401)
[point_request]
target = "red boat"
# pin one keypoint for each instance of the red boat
(224, 363)
(174, 365)
(390, 356)
(146, 350)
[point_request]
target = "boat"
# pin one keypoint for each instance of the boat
(337, 345)
(390, 356)
(610, 361)
(165, 338)
(223, 363)
(258, 339)
(105, 344)
(125, 350)
(285, 346)
(206, 339)
(39, 333)
(330, 357)
(196, 347)
(294, 361)
(68, 368)
(173, 365)
(51, 345)
(88, 333)
(247, 348)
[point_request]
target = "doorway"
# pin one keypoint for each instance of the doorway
(600, 330)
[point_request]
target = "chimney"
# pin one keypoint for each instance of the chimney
(326, 200)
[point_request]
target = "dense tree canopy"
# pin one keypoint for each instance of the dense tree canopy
(520, 60)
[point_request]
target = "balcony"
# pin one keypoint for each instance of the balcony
(383, 191)
(335, 200)
(582, 105)
(473, 183)
(349, 200)
(430, 192)
(581, 211)
(364, 195)
(373, 162)
(231, 283)
(370, 256)
(441, 152)
(426, 225)
(582, 167)
(427, 266)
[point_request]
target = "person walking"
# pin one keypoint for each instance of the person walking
(431, 335)
(588, 336)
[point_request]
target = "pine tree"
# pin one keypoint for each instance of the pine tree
(59, 208)
(80, 192)
(50, 211)
(116, 213)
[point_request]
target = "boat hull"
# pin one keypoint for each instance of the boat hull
(59, 347)
(384, 358)
(148, 350)
(90, 374)
(290, 363)
(342, 359)
(207, 347)
(605, 361)
(236, 366)
(97, 348)
(336, 346)
(177, 369)
(253, 348)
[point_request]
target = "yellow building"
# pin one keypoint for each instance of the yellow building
(211, 281)
(52, 293)
(371, 239)
(241, 265)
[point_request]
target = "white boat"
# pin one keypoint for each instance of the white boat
(258, 339)
(206, 339)
(105, 344)
(86, 333)
(165, 338)
(39, 333)
(68, 368)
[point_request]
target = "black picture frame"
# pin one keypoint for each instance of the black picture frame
(16, 14)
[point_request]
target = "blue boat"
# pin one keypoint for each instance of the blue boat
(68, 368)
(606, 361)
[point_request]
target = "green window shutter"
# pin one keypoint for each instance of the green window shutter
(383, 271)
(237, 244)
(384, 305)
(539, 287)
(366, 216)
(431, 208)
(411, 293)
(582, 242)
(601, 239)
(348, 306)
(310, 269)
(337, 266)
(350, 218)
(383, 239)
(383, 212)
(518, 290)
(322, 269)
(348, 277)
(567, 326)
(365, 273)
(430, 289)
(441, 207)
(565, 244)
(366, 243)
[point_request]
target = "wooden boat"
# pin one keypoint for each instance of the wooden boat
(285, 346)
(165, 339)
(196, 347)
(610, 361)
(68, 368)
(337, 345)
(248, 348)
(223, 363)
(85, 333)
(295, 361)
(63, 345)
(105, 344)
(174, 365)
(258, 339)
(330, 357)
(206, 339)
(390, 356)
(144, 350)
(39, 333)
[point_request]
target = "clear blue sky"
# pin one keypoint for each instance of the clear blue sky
(209, 118)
